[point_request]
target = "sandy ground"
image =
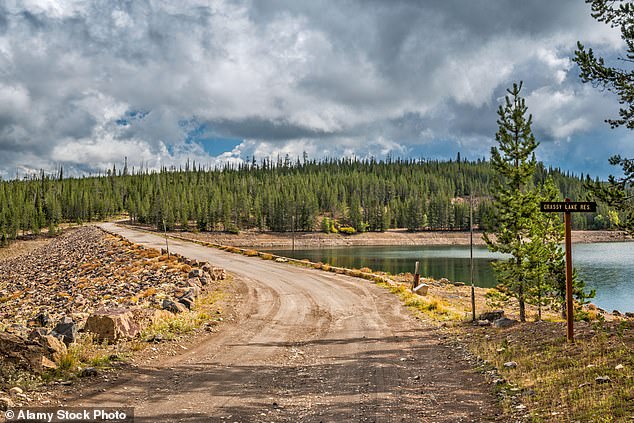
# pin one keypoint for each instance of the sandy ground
(304, 346)
(263, 240)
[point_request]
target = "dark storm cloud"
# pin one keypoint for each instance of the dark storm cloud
(327, 77)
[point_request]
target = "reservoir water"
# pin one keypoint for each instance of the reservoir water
(607, 267)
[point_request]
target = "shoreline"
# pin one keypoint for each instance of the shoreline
(281, 240)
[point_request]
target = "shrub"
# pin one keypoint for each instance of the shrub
(232, 229)
(250, 253)
(347, 230)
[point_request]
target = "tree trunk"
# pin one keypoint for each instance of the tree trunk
(520, 298)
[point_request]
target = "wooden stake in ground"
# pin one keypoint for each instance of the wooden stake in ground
(567, 208)
(416, 276)
(473, 310)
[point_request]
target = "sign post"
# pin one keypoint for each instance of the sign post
(567, 207)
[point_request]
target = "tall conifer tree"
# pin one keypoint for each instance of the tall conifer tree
(515, 198)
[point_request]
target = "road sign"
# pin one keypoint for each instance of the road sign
(567, 207)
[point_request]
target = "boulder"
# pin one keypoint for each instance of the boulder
(36, 334)
(616, 312)
(191, 293)
(218, 274)
(66, 330)
(484, 323)
(89, 372)
(42, 363)
(56, 347)
(173, 306)
(5, 403)
(421, 289)
(195, 273)
(503, 323)
(187, 302)
(194, 282)
(492, 315)
(113, 324)
(41, 320)
(510, 364)
(629, 314)
(22, 353)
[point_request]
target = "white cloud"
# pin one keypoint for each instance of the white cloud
(363, 79)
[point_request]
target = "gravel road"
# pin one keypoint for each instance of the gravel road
(305, 346)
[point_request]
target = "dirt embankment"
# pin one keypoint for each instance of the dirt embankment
(263, 240)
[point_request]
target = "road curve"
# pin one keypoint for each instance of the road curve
(307, 346)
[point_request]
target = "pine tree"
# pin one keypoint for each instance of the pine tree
(515, 198)
(617, 192)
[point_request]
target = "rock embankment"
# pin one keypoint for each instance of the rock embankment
(89, 280)
(86, 270)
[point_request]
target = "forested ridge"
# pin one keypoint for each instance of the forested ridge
(330, 195)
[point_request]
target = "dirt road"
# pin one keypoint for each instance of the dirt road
(306, 346)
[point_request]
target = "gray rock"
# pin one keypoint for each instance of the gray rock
(66, 330)
(492, 315)
(187, 302)
(484, 323)
(40, 320)
(173, 306)
(36, 334)
(195, 273)
(510, 364)
(503, 323)
(602, 379)
(5, 403)
(191, 293)
(89, 372)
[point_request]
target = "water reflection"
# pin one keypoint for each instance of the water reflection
(606, 267)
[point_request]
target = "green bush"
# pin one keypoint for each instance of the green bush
(347, 230)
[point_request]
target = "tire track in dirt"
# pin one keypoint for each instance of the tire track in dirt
(305, 346)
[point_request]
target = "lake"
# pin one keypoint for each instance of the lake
(607, 267)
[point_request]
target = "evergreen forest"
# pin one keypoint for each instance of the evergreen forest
(344, 195)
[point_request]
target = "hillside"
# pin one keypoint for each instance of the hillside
(310, 196)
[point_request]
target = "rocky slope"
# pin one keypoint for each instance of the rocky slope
(82, 271)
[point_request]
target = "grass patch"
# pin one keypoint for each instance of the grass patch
(430, 306)
(171, 326)
(81, 354)
(561, 377)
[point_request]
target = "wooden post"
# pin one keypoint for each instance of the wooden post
(416, 276)
(293, 229)
(473, 310)
(568, 207)
(167, 246)
(569, 306)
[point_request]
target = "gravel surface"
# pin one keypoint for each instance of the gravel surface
(304, 346)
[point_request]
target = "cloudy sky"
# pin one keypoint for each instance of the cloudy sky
(84, 84)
